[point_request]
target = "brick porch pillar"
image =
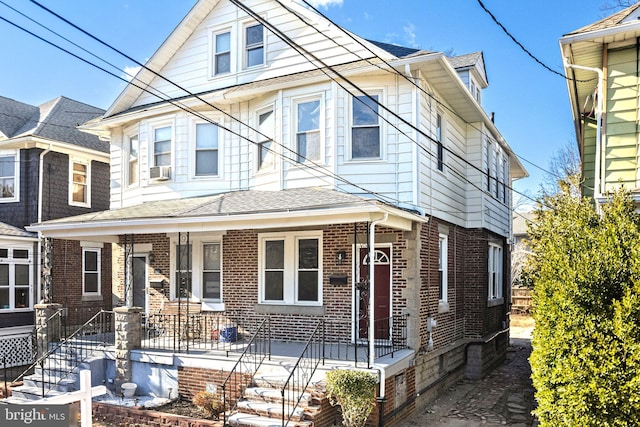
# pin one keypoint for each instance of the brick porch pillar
(128, 336)
(48, 327)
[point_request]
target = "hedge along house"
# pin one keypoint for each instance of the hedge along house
(277, 166)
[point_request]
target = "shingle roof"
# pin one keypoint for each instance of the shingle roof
(463, 61)
(395, 50)
(56, 120)
(227, 204)
(13, 115)
(11, 231)
(608, 22)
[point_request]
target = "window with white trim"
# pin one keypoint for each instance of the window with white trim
(207, 149)
(365, 130)
(80, 180)
(211, 263)
(16, 278)
(308, 141)
(266, 127)
(162, 137)
(254, 45)
(222, 53)
(488, 162)
(91, 271)
(197, 269)
(133, 175)
(8, 178)
(495, 271)
(290, 268)
(442, 267)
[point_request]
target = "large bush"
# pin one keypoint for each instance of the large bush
(355, 392)
(586, 288)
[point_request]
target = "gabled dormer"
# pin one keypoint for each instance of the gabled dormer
(472, 71)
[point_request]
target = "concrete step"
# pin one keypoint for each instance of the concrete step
(54, 382)
(33, 393)
(272, 395)
(274, 410)
(247, 420)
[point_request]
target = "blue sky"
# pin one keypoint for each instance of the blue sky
(530, 103)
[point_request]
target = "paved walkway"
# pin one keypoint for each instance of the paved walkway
(504, 397)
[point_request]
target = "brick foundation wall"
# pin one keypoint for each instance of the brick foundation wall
(194, 380)
(134, 416)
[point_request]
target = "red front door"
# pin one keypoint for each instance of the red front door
(382, 297)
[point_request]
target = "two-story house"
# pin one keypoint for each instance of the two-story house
(49, 169)
(601, 63)
(269, 163)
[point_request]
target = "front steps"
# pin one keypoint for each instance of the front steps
(261, 404)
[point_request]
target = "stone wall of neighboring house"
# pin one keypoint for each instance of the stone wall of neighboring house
(68, 281)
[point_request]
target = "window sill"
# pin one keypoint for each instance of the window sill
(211, 306)
(495, 302)
(305, 310)
(91, 298)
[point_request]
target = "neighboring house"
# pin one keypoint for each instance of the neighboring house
(520, 294)
(48, 170)
(601, 63)
(263, 187)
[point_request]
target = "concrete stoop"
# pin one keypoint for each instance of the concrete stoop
(261, 404)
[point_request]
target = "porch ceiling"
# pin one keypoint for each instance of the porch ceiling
(300, 207)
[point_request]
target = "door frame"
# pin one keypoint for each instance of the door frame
(146, 288)
(355, 274)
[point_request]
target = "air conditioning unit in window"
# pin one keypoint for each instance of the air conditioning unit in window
(160, 173)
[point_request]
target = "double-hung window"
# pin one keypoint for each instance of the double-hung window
(254, 45)
(211, 261)
(134, 162)
(16, 276)
(442, 267)
(162, 146)
(79, 194)
(207, 149)
(439, 143)
(365, 133)
(266, 127)
(222, 53)
(197, 269)
(290, 268)
(495, 272)
(487, 157)
(308, 144)
(91, 271)
(8, 177)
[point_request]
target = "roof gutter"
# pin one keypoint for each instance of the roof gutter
(599, 183)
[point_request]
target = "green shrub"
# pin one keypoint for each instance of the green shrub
(585, 276)
(355, 392)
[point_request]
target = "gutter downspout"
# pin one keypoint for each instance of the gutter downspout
(372, 329)
(599, 184)
(40, 197)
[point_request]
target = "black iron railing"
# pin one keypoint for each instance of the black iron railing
(201, 331)
(241, 375)
(294, 389)
(390, 335)
(63, 357)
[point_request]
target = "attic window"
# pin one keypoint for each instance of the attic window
(8, 178)
(222, 61)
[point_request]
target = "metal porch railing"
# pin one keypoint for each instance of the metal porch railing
(63, 358)
(241, 375)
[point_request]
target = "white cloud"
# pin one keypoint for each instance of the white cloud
(130, 72)
(410, 35)
(325, 3)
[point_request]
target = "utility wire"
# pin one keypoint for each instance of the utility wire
(322, 169)
(524, 49)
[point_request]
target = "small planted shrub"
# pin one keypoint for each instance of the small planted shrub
(355, 392)
(209, 403)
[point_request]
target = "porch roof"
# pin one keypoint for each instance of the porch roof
(248, 209)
